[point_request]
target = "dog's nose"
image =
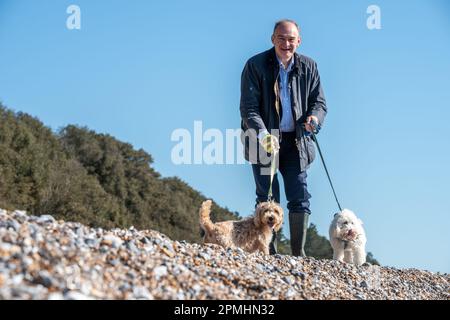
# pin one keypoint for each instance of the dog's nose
(270, 218)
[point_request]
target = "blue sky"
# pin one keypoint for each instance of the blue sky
(139, 70)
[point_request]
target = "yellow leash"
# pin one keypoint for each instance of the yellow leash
(273, 169)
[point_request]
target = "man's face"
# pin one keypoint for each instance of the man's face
(286, 40)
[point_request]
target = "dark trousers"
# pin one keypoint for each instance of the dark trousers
(295, 185)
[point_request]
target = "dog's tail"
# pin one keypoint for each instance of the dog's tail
(205, 221)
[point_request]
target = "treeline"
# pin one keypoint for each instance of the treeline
(78, 175)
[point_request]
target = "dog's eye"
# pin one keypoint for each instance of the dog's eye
(345, 222)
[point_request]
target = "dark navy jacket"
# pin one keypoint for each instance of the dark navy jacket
(260, 101)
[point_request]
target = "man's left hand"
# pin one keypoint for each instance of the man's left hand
(308, 125)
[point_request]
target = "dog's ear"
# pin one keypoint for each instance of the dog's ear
(277, 227)
(280, 212)
(257, 218)
(360, 221)
(336, 214)
(259, 205)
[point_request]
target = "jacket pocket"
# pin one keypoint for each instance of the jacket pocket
(307, 151)
(310, 149)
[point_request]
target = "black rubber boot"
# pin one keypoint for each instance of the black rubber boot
(273, 244)
(298, 225)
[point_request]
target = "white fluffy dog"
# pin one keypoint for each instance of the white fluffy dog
(347, 237)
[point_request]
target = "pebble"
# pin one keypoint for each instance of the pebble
(13, 224)
(290, 293)
(111, 240)
(299, 274)
(45, 258)
(160, 271)
(75, 295)
(55, 296)
(292, 262)
(288, 280)
(141, 292)
(44, 219)
(364, 284)
(204, 256)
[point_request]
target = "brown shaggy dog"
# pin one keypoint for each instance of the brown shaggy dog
(251, 234)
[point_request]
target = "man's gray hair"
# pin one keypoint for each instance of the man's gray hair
(278, 23)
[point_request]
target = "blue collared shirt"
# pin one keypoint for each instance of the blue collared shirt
(287, 123)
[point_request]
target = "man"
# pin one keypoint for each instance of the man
(281, 103)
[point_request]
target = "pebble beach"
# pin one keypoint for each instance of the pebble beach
(43, 258)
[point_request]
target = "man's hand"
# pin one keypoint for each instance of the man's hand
(308, 125)
(270, 143)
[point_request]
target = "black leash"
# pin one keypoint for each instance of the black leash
(314, 125)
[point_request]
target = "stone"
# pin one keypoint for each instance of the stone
(67, 260)
(44, 219)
